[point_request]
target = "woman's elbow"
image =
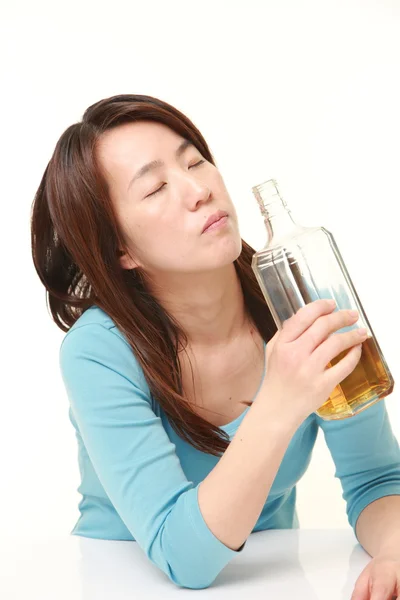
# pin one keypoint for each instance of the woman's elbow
(184, 566)
(190, 581)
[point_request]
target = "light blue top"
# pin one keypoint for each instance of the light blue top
(139, 479)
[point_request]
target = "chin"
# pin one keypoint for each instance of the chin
(226, 252)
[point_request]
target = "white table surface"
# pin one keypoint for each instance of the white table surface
(276, 564)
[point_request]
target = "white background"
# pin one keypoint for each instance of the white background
(306, 92)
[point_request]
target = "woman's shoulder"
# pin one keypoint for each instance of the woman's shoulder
(94, 315)
(94, 319)
(95, 337)
(101, 372)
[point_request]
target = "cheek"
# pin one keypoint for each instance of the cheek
(219, 181)
(161, 237)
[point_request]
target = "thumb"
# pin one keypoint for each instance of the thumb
(271, 343)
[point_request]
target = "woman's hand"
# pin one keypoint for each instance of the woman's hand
(297, 378)
(380, 580)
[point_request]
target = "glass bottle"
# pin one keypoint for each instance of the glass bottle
(301, 264)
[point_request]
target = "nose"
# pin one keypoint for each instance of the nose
(195, 193)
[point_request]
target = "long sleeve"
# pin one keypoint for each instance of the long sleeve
(134, 459)
(366, 455)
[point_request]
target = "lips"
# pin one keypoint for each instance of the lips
(213, 218)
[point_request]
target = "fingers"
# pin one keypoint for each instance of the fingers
(336, 344)
(297, 324)
(344, 367)
(321, 329)
(352, 341)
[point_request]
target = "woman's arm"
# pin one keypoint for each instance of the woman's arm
(190, 538)
(233, 495)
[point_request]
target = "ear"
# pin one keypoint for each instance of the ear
(126, 261)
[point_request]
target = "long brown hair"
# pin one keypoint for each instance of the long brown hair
(76, 245)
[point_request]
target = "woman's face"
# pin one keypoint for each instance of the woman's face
(162, 212)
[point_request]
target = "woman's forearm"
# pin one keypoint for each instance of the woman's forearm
(232, 496)
(378, 527)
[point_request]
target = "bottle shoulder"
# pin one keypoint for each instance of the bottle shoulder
(297, 237)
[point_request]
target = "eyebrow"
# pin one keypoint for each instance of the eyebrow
(155, 164)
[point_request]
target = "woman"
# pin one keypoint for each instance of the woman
(187, 443)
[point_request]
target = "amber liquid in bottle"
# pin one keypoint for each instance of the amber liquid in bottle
(368, 380)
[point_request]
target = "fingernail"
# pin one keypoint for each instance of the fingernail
(362, 331)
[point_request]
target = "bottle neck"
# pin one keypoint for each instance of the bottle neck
(278, 220)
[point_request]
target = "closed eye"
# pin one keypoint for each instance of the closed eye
(197, 164)
(160, 188)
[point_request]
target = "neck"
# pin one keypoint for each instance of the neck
(208, 306)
